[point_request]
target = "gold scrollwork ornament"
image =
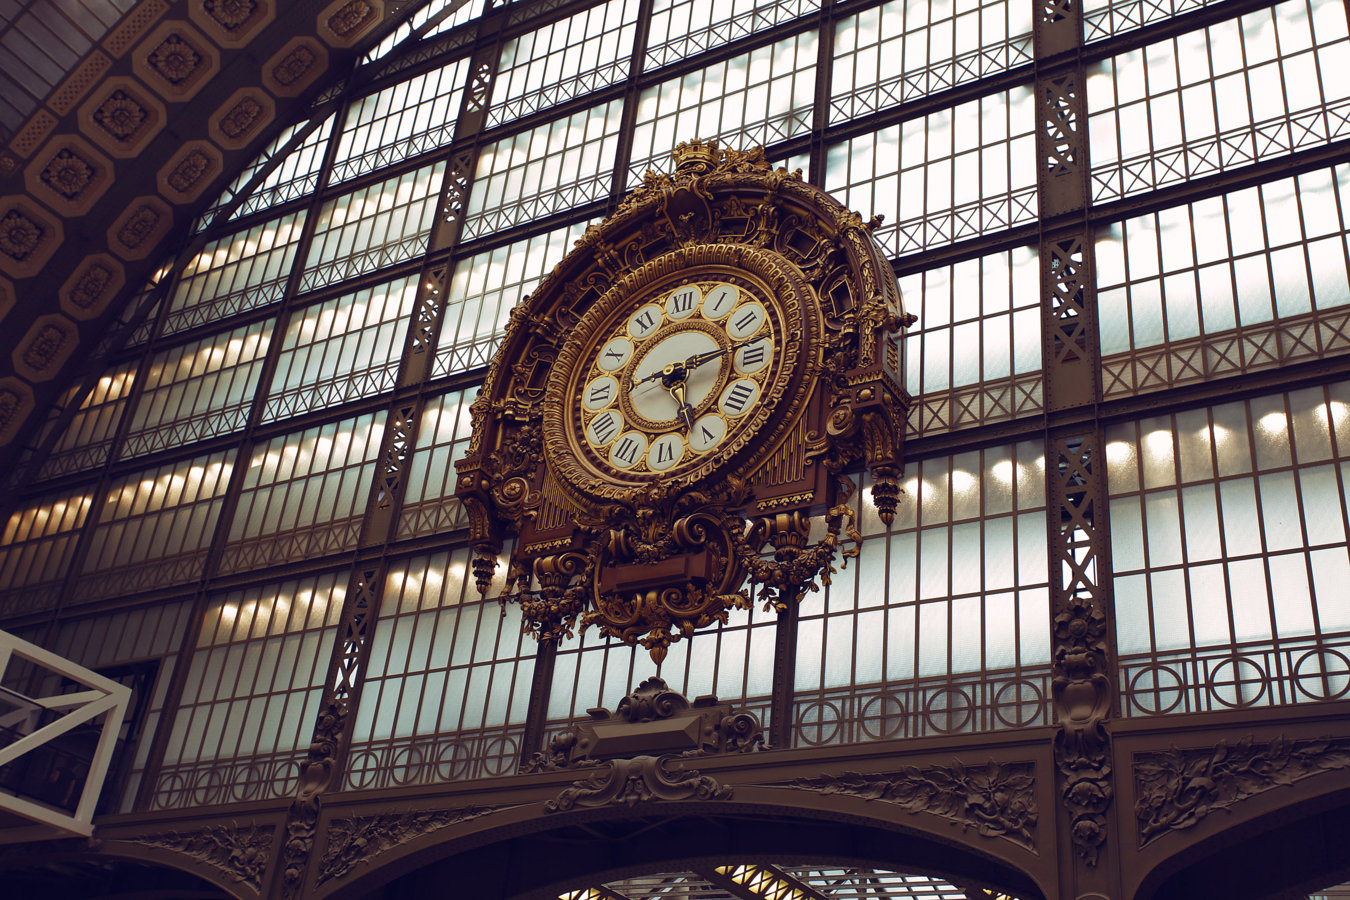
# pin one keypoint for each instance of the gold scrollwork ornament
(670, 414)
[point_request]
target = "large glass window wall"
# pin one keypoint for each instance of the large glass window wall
(762, 98)
(564, 60)
(1247, 89)
(907, 49)
(941, 624)
(952, 174)
(1229, 546)
(237, 454)
(975, 354)
(448, 680)
(254, 679)
(1247, 280)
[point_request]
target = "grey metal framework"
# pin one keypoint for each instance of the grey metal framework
(339, 300)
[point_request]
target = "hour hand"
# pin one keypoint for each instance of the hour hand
(677, 391)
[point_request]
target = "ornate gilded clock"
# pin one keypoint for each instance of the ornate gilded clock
(683, 392)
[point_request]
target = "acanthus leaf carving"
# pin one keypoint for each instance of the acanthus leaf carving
(1177, 789)
(317, 773)
(997, 800)
(357, 841)
(241, 853)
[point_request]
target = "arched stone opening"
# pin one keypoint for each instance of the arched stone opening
(1285, 854)
(548, 857)
(85, 877)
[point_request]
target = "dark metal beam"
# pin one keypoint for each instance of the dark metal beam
(750, 882)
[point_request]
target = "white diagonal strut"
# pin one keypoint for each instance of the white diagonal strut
(103, 697)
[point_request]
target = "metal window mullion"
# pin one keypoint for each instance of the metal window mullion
(827, 26)
(232, 495)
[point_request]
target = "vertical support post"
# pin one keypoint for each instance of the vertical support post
(1083, 666)
(1078, 550)
(541, 684)
(454, 202)
(784, 676)
(321, 770)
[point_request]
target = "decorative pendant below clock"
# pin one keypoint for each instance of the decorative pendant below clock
(685, 391)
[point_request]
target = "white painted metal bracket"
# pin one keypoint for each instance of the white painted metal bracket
(103, 696)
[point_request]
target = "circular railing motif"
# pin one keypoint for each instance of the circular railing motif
(452, 761)
(1322, 674)
(818, 723)
(500, 756)
(1018, 704)
(949, 709)
(1237, 682)
(882, 717)
(1156, 690)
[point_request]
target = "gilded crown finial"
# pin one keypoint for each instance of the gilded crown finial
(696, 155)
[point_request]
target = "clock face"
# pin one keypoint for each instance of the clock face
(670, 380)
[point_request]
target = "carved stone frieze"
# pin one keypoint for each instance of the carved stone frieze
(357, 841)
(624, 782)
(1177, 789)
(652, 719)
(996, 800)
(239, 853)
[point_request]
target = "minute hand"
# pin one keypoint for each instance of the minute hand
(699, 359)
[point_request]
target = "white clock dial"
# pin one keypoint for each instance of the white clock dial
(650, 398)
(670, 382)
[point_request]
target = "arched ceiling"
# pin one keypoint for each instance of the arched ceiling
(101, 178)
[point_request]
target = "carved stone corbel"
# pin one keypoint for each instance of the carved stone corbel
(652, 719)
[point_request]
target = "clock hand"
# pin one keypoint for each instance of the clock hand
(699, 359)
(668, 374)
(681, 368)
(677, 392)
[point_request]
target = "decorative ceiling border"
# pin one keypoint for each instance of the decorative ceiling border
(128, 149)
